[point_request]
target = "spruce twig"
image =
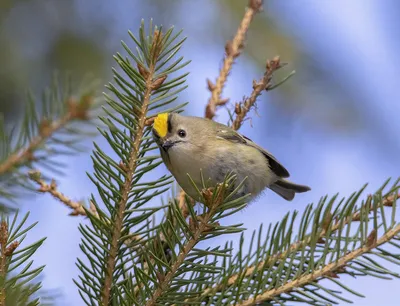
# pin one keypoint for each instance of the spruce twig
(77, 207)
(3, 261)
(144, 84)
(233, 49)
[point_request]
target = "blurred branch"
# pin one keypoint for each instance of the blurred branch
(53, 126)
(76, 110)
(233, 49)
(27, 154)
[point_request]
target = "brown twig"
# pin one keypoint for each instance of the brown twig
(77, 207)
(233, 49)
(241, 109)
(388, 201)
(76, 110)
(326, 271)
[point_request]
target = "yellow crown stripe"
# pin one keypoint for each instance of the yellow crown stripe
(161, 124)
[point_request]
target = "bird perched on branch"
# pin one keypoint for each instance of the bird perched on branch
(200, 147)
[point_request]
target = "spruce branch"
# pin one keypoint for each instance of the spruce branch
(328, 225)
(151, 84)
(78, 209)
(166, 278)
(27, 154)
(327, 233)
(50, 128)
(328, 271)
(113, 242)
(77, 110)
(233, 49)
(18, 285)
(3, 260)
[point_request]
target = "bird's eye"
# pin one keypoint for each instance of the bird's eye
(182, 133)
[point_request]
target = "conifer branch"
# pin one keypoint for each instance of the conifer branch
(139, 92)
(274, 258)
(27, 154)
(233, 49)
(17, 286)
(327, 271)
(76, 110)
(44, 133)
(130, 168)
(77, 207)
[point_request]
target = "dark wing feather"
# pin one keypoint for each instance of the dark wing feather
(274, 164)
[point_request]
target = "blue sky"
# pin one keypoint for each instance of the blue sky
(356, 41)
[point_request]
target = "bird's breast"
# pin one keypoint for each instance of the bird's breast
(214, 163)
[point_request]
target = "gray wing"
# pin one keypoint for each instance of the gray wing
(274, 164)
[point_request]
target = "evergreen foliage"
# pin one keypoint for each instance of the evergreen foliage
(19, 281)
(129, 257)
(123, 188)
(51, 127)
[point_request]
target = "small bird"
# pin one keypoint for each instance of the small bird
(202, 148)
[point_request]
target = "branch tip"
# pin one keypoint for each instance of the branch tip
(256, 5)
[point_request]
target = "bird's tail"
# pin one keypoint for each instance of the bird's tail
(287, 189)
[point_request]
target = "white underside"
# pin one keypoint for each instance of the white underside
(215, 162)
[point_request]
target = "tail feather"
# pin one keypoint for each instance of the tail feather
(287, 194)
(287, 189)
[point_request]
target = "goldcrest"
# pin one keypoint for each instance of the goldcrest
(202, 148)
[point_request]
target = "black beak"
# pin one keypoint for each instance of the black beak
(163, 144)
(167, 144)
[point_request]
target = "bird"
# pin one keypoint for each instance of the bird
(208, 151)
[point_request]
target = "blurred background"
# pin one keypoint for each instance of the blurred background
(334, 125)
